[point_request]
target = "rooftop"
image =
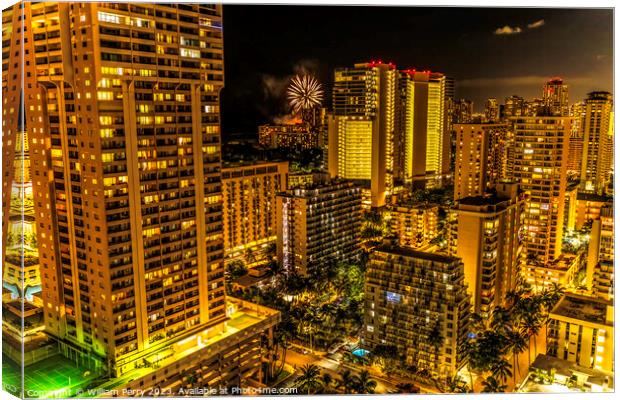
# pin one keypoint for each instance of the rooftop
(409, 252)
(245, 317)
(565, 369)
(593, 197)
(249, 163)
(589, 309)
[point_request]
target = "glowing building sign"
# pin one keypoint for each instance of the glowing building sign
(392, 297)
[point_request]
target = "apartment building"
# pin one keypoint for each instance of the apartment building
(319, 224)
(600, 264)
(482, 157)
(121, 106)
(581, 330)
(414, 225)
(418, 302)
(249, 209)
(486, 236)
(540, 160)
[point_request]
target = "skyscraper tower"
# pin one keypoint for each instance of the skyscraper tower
(575, 146)
(122, 111)
(361, 129)
(514, 106)
(422, 125)
(482, 157)
(540, 160)
(486, 237)
(555, 97)
(491, 110)
(598, 143)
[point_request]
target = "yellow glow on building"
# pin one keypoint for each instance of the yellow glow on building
(355, 149)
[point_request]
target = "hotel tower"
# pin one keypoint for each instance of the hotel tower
(122, 113)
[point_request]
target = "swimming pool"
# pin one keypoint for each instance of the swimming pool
(360, 352)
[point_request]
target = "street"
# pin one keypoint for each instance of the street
(296, 359)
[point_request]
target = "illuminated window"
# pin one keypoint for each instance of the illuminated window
(105, 95)
(190, 53)
(109, 17)
(106, 133)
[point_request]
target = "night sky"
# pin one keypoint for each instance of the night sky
(490, 52)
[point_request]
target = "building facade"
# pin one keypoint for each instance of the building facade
(491, 110)
(361, 129)
(317, 225)
(122, 104)
(597, 147)
(249, 209)
(555, 97)
(414, 225)
(417, 302)
(600, 267)
(292, 136)
(483, 153)
(514, 106)
(486, 236)
(575, 145)
(581, 330)
(540, 160)
(463, 111)
(422, 126)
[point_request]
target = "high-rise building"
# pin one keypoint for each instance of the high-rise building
(122, 111)
(291, 136)
(318, 224)
(417, 302)
(514, 106)
(588, 208)
(581, 330)
(487, 238)
(483, 153)
(600, 267)
(249, 209)
(414, 225)
(463, 111)
(540, 160)
(570, 206)
(361, 129)
(575, 144)
(491, 110)
(555, 97)
(421, 128)
(597, 156)
(533, 107)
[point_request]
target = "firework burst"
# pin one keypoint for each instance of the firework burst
(304, 93)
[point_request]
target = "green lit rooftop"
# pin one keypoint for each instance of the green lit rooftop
(54, 377)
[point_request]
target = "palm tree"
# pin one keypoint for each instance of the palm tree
(491, 385)
(345, 382)
(500, 319)
(501, 370)
(309, 381)
(456, 385)
(327, 381)
(363, 384)
(406, 388)
(517, 343)
(531, 324)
